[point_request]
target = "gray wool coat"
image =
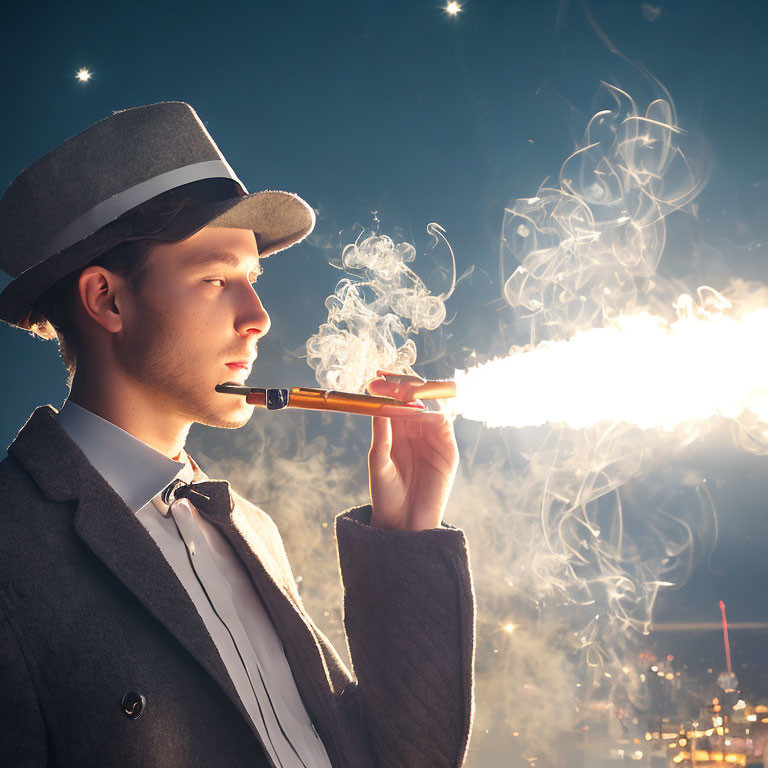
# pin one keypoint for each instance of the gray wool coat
(90, 611)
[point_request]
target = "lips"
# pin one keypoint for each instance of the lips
(239, 365)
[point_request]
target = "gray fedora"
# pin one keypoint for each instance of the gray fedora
(64, 210)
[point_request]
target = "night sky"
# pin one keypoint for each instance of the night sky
(399, 114)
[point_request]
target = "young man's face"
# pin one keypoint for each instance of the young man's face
(195, 323)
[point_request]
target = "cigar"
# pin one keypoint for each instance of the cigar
(435, 390)
(275, 398)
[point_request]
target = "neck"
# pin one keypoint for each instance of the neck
(145, 415)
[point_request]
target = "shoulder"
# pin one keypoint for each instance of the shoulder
(35, 531)
(17, 487)
(24, 508)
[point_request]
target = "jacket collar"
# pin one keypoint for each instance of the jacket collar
(134, 469)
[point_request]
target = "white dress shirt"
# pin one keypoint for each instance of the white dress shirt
(215, 579)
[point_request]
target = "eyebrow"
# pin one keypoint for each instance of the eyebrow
(222, 257)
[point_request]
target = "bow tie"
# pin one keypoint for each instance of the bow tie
(210, 497)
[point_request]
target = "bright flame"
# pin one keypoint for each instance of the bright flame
(83, 75)
(639, 369)
(453, 8)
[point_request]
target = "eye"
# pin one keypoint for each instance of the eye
(217, 280)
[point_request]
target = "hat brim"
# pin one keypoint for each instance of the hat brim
(277, 219)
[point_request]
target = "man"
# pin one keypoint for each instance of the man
(148, 615)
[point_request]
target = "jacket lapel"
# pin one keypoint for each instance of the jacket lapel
(109, 528)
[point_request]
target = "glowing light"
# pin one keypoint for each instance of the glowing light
(510, 628)
(83, 75)
(638, 369)
(705, 756)
(453, 8)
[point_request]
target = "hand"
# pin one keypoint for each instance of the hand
(411, 464)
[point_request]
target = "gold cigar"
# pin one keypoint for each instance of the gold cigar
(435, 390)
(344, 402)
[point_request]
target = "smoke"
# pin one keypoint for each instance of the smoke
(626, 376)
(614, 365)
(590, 247)
(374, 313)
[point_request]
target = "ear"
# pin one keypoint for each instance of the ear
(98, 288)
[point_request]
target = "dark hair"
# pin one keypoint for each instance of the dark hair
(167, 218)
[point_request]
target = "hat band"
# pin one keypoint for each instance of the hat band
(115, 206)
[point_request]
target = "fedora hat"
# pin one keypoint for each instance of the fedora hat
(65, 209)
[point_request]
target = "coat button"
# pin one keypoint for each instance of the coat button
(133, 704)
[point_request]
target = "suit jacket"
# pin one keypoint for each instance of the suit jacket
(104, 660)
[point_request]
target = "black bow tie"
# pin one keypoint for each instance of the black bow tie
(210, 497)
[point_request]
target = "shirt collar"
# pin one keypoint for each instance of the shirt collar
(135, 470)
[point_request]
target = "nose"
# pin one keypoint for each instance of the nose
(252, 318)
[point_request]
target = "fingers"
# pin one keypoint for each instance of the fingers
(400, 386)
(381, 441)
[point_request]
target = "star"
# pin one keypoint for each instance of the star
(83, 75)
(453, 8)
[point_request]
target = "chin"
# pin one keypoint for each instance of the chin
(232, 417)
